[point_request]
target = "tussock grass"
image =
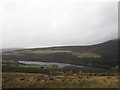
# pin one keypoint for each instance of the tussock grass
(12, 80)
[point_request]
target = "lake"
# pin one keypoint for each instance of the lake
(47, 63)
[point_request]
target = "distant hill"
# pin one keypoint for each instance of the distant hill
(106, 47)
(10, 49)
(104, 55)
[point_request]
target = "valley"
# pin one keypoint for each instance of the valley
(61, 67)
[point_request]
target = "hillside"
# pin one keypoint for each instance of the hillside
(104, 55)
(10, 49)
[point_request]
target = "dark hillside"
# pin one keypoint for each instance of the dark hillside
(104, 55)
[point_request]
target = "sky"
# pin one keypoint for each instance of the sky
(46, 23)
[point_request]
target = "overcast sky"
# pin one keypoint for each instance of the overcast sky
(42, 23)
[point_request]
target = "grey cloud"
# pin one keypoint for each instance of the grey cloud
(50, 23)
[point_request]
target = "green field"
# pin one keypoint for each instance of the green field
(77, 54)
(16, 64)
(87, 55)
(37, 52)
(34, 66)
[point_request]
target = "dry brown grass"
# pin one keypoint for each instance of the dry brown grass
(12, 80)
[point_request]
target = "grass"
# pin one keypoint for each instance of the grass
(9, 61)
(14, 63)
(78, 55)
(87, 55)
(43, 52)
(32, 66)
(37, 52)
(12, 80)
(35, 66)
(51, 51)
(12, 53)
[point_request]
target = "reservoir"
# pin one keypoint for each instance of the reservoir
(47, 63)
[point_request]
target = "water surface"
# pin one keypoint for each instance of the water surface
(47, 63)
